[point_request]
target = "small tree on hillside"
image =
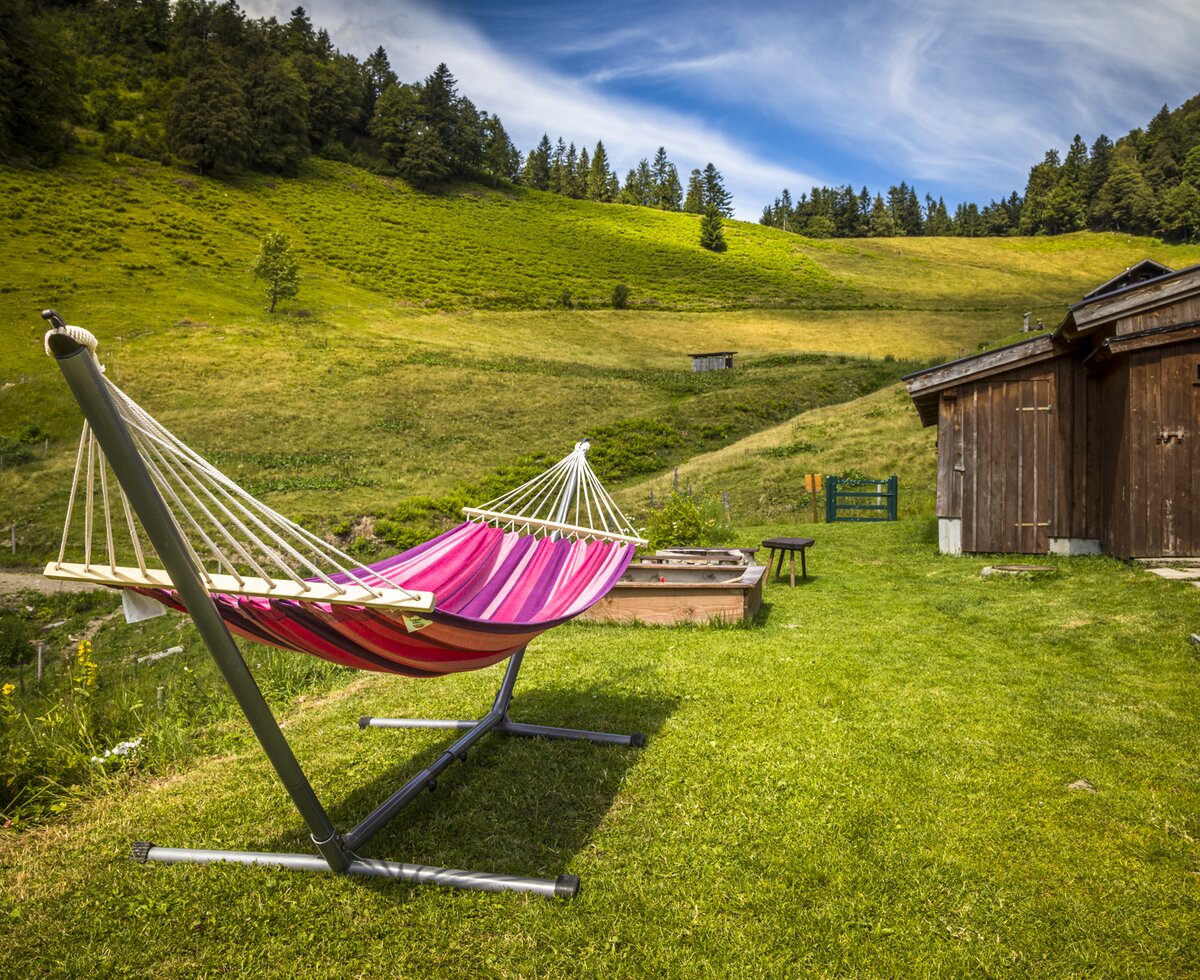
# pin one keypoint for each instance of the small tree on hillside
(275, 264)
(711, 235)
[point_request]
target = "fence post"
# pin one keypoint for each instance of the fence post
(13, 530)
(160, 697)
(893, 495)
(41, 662)
(831, 485)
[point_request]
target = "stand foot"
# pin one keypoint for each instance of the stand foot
(565, 886)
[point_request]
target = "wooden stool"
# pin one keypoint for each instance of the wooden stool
(788, 546)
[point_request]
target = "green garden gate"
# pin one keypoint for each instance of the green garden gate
(862, 499)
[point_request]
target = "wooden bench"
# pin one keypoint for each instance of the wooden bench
(789, 547)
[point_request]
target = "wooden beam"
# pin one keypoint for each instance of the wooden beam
(155, 578)
(981, 365)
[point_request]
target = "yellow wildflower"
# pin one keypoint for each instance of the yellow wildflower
(7, 689)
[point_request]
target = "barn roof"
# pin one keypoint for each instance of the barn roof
(925, 386)
(1141, 287)
(1135, 275)
(715, 353)
(1104, 305)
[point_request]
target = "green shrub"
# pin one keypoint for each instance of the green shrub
(686, 520)
(14, 642)
(620, 296)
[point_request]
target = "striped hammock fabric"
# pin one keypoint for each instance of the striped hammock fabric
(496, 590)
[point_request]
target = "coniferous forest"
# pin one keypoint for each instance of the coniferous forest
(1147, 183)
(200, 83)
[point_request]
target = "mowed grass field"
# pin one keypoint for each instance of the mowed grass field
(874, 781)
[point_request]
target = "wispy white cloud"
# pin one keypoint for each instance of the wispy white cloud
(962, 94)
(532, 99)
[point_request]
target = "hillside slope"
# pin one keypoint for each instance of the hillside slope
(428, 345)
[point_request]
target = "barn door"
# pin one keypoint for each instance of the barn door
(1008, 486)
(1165, 521)
(1032, 483)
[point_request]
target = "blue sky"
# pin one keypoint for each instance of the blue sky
(959, 98)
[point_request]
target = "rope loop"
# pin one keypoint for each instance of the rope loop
(82, 337)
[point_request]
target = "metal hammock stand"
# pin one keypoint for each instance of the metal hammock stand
(152, 467)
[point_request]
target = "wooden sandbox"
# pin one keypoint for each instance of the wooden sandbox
(684, 587)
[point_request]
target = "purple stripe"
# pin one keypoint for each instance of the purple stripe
(499, 580)
(544, 587)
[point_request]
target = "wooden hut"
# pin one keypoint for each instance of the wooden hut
(1085, 441)
(721, 360)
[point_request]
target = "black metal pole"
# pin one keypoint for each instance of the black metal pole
(80, 369)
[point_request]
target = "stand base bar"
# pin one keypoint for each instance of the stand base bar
(366, 722)
(637, 739)
(565, 886)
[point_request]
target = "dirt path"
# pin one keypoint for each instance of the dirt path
(13, 580)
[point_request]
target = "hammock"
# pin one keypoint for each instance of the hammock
(469, 598)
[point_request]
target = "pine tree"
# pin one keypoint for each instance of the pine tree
(1179, 214)
(1043, 178)
(299, 36)
(1066, 206)
(397, 116)
(711, 235)
(570, 178)
(277, 103)
(694, 202)
(670, 192)
(557, 183)
(501, 161)
(599, 183)
(424, 161)
(639, 186)
(1098, 163)
(582, 168)
(537, 166)
(379, 75)
(715, 193)
(1125, 202)
(880, 223)
(667, 193)
(207, 124)
(277, 266)
(38, 97)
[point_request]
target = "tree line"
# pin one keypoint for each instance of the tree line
(1147, 183)
(842, 212)
(562, 169)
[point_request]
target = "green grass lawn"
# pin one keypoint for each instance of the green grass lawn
(873, 781)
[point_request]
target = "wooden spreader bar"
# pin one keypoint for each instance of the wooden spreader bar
(501, 518)
(155, 578)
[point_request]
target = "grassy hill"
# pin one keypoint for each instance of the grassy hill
(428, 346)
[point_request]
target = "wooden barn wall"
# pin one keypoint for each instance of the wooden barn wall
(950, 457)
(1164, 432)
(1181, 311)
(1077, 433)
(1007, 429)
(1113, 454)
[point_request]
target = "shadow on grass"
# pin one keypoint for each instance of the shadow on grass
(518, 805)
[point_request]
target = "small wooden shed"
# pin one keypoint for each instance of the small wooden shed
(1086, 441)
(716, 361)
